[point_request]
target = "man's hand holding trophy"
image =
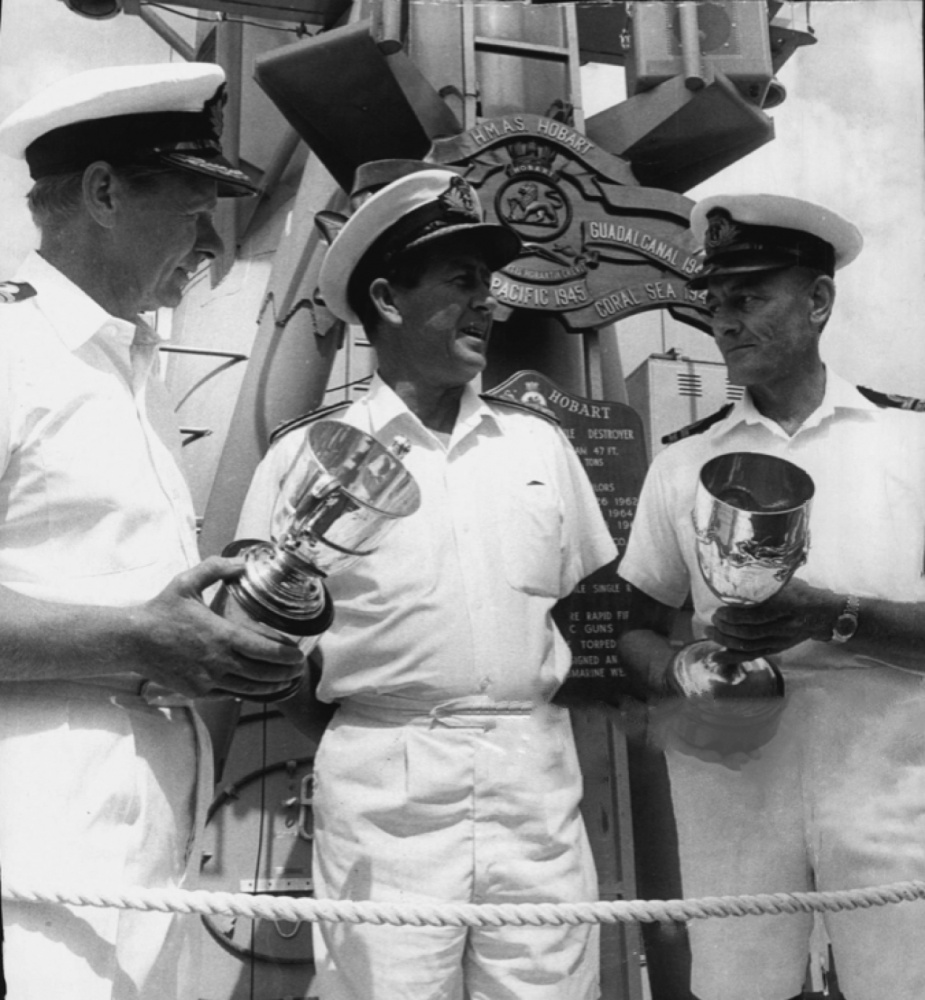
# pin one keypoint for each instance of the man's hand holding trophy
(342, 494)
(751, 523)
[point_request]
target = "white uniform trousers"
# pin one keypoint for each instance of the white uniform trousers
(835, 801)
(466, 803)
(98, 792)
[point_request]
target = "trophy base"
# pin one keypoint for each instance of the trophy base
(720, 710)
(281, 618)
(307, 617)
(246, 609)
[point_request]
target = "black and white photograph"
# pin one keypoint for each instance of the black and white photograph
(462, 500)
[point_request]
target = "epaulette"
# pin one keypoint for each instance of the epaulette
(536, 409)
(307, 418)
(16, 291)
(893, 399)
(698, 426)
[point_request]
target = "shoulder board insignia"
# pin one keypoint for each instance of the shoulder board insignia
(307, 418)
(15, 291)
(698, 426)
(537, 409)
(892, 399)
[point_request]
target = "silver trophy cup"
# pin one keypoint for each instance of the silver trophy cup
(751, 521)
(342, 494)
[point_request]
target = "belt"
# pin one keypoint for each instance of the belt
(458, 713)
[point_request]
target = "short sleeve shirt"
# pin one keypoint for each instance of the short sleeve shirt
(867, 520)
(456, 600)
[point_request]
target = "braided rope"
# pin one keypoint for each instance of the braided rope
(288, 908)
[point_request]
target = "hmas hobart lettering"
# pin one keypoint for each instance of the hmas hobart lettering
(570, 202)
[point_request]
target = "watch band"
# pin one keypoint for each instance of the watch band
(846, 624)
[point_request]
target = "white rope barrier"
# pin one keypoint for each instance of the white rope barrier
(288, 908)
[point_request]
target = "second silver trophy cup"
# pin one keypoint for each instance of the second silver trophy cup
(751, 522)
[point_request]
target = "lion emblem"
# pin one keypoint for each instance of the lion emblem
(528, 205)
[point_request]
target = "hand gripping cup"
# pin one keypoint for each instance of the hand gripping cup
(751, 521)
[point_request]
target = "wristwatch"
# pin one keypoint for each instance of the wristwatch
(846, 624)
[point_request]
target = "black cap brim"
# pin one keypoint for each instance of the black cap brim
(742, 264)
(497, 244)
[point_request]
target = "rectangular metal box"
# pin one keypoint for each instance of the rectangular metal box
(734, 39)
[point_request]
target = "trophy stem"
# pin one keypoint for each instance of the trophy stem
(723, 708)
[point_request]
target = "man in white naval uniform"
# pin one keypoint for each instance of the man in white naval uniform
(100, 580)
(446, 774)
(836, 799)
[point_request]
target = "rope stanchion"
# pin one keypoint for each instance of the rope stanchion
(288, 908)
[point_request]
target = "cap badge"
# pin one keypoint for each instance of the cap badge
(721, 232)
(459, 199)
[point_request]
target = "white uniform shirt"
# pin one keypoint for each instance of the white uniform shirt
(456, 601)
(93, 505)
(93, 510)
(867, 522)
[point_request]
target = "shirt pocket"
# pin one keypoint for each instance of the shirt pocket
(530, 531)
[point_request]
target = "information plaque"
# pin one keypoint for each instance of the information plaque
(608, 437)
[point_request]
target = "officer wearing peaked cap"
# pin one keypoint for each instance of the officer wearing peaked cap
(170, 115)
(442, 644)
(805, 811)
(100, 579)
(747, 234)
